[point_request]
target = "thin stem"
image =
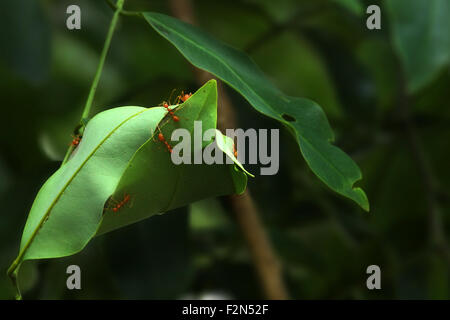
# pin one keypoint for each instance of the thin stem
(12, 274)
(66, 157)
(113, 6)
(98, 73)
(13, 269)
(112, 26)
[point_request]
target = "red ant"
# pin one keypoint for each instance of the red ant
(120, 204)
(162, 139)
(169, 111)
(235, 151)
(76, 140)
(172, 114)
(183, 96)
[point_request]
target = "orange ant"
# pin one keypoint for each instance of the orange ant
(235, 151)
(76, 140)
(120, 204)
(162, 139)
(172, 114)
(169, 111)
(183, 96)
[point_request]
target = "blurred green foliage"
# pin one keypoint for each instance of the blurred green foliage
(324, 241)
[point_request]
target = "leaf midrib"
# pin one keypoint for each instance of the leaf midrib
(228, 67)
(259, 97)
(44, 217)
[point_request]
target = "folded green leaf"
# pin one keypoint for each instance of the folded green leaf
(226, 145)
(155, 184)
(67, 210)
(303, 117)
(119, 153)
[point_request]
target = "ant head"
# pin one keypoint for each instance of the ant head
(185, 96)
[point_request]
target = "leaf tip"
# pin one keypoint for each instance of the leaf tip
(361, 199)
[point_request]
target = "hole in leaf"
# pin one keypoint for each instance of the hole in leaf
(288, 117)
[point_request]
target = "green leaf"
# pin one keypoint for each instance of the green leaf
(67, 210)
(119, 153)
(303, 117)
(226, 144)
(421, 36)
(155, 184)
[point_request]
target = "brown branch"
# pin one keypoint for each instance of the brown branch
(243, 206)
(266, 263)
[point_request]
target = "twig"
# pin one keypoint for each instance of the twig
(98, 73)
(266, 263)
(247, 216)
(113, 6)
(13, 269)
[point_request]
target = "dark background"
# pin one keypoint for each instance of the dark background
(315, 49)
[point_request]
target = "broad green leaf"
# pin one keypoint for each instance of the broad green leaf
(155, 184)
(421, 36)
(119, 153)
(67, 210)
(303, 117)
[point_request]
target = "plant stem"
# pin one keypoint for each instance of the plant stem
(112, 26)
(12, 274)
(113, 6)
(98, 73)
(13, 269)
